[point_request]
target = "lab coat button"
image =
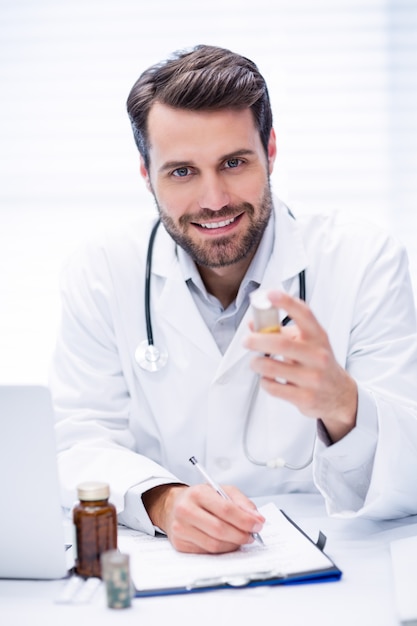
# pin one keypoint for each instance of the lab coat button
(223, 463)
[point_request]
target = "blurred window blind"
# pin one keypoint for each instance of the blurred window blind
(342, 77)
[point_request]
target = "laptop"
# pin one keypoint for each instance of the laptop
(32, 538)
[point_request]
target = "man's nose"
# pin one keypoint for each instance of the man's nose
(213, 193)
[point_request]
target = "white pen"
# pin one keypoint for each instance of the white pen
(219, 490)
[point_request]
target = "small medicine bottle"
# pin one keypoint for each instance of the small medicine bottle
(116, 575)
(95, 522)
(265, 315)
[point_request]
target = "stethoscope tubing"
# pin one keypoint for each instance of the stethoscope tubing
(276, 462)
(148, 270)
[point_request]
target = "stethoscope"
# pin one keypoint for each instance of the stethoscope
(153, 359)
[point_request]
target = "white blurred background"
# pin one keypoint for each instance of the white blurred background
(342, 76)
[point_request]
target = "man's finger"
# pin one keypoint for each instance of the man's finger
(298, 311)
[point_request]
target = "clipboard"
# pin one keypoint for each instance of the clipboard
(289, 557)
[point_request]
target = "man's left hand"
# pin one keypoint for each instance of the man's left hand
(306, 373)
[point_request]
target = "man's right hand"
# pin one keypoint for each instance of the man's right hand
(197, 519)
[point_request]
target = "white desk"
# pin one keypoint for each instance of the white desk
(363, 597)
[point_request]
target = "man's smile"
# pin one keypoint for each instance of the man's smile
(219, 224)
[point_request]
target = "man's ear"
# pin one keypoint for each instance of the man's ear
(144, 173)
(272, 150)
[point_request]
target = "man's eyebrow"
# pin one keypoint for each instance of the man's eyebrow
(237, 153)
(173, 165)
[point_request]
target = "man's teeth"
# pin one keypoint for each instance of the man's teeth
(218, 224)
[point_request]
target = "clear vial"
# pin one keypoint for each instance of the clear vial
(265, 315)
(116, 574)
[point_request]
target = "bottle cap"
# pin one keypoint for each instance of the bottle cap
(259, 299)
(93, 491)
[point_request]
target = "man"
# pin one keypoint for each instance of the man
(337, 383)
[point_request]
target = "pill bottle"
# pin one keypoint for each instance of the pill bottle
(95, 522)
(265, 315)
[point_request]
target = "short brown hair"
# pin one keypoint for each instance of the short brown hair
(205, 78)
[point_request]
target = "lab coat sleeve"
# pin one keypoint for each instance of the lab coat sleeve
(371, 471)
(91, 398)
(134, 514)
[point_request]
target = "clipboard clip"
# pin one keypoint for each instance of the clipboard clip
(235, 580)
(321, 541)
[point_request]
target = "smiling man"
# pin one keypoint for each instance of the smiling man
(335, 413)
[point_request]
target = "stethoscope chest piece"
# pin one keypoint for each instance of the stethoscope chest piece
(149, 357)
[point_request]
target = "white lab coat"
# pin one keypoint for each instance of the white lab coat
(136, 429)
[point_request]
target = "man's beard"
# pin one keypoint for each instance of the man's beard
(225, 250)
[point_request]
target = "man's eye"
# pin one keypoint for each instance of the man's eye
(180, 172)
(231, 163)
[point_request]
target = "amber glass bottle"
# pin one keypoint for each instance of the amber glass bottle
(95, 523)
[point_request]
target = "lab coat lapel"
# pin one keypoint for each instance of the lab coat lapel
(175, 306)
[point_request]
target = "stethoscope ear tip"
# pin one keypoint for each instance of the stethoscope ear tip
(149, 357)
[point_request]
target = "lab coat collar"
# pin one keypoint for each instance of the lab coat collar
(287, 261)
(289, 256)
